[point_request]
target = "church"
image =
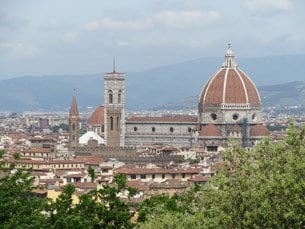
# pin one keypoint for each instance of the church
(229, 107)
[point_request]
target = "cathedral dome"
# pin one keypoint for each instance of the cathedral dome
(97, 117)
(229, 86)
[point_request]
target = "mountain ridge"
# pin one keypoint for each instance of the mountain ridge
(154, 87)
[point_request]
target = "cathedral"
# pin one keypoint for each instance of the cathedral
(229, 107)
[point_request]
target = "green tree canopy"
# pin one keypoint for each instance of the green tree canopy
(261, 187)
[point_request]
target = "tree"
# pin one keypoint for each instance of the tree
(101, 208)
(91, 173)
(19, 208)
(263, 187)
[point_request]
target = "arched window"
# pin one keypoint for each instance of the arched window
(120, 97)
(110, 96)
(111, 123)
(118, 123)
(73, 127)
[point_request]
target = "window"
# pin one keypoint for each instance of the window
(163, 176)
(103, 128)
(73, 127)
(253, 117)
(173, 176)
(213, 116)
(183, 175)
(189, 129)
(110, 94)
(153, 176)
(133, 176)
(212, 148)
(171, 129)
(135, 129)
(120, 97)
(118, 123)
(111, 123)
(235, 116)
(143, 176)
(153, 129)
(104, 170)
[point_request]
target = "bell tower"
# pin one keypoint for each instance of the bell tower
(114, 103)
(73, 124)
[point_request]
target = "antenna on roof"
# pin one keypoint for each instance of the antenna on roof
(114, 64)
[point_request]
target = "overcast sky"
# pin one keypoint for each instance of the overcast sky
(43, 37)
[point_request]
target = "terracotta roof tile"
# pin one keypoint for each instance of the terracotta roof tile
(259, 130)
(210, 130)
(235, 127)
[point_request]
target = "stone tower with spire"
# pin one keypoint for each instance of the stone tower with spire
(114, 103)
(73, 124)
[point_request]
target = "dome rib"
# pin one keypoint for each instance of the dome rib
(244, 86)
(225, 86)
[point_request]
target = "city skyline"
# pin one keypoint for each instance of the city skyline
(76, 37)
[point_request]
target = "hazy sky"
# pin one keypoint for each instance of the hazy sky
(43, 37)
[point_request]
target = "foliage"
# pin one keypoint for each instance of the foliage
(91, 173)
(18, 207)
(62, 126)
(96, 209)
(262, 187)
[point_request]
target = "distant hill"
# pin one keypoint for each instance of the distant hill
(280, 95)
(155, 87)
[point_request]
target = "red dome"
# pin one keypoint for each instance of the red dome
(229, 85)
(97, 117)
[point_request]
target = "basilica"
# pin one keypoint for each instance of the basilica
(229, 107)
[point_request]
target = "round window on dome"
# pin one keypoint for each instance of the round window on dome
(213, 116)
(235, 116)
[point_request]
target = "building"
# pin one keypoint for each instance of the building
(73, 124)
(229, 107)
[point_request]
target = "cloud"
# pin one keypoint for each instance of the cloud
(17, 50)
(70, 37)
(122, 43)
(186, 19)
(110, 24)
(268, 5)
(169, 19)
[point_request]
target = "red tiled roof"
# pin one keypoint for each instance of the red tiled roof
(90, 160)
(198, 178)
(210, 130)
(97, 117)
(235, 127)
(140, 185)
(259, 130)
(173, 119)
(37, 150)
